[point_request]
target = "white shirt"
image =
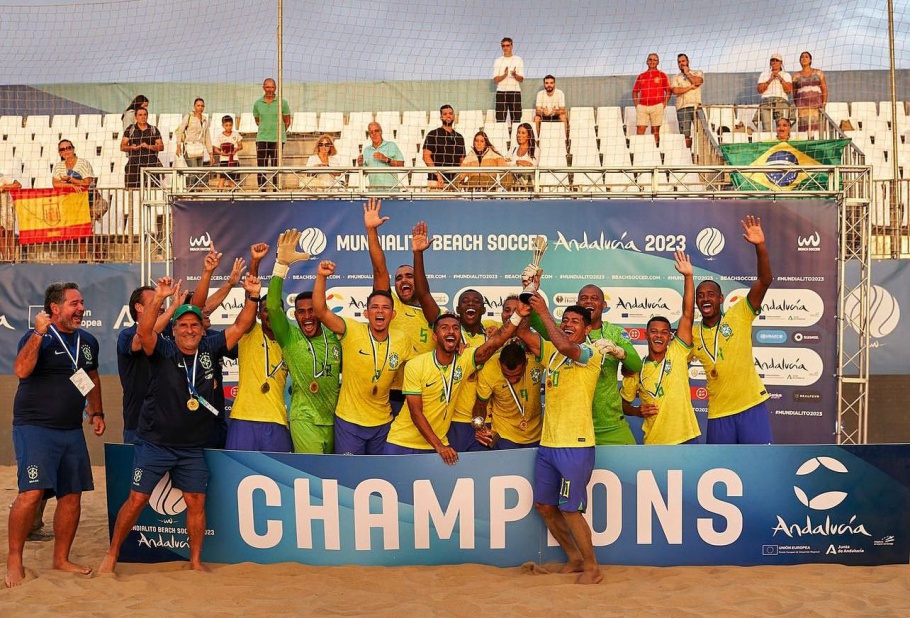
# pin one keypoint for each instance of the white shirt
(509, 84)
(550, 103)
(692, 98)
(775, 89)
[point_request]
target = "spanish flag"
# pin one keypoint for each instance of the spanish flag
(789, 157)
(51, 215)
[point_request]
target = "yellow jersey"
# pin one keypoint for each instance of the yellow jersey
(568, 421)
(260, 363)
(515, 408)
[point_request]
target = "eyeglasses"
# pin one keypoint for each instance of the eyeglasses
(65, 148)
(375, 131)
(326, 144)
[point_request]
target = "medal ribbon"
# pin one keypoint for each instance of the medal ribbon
(447, 386)
(377, 371)
(74, 357)
(521, 408)
(550, 368)
(269, 374)
(191, 383)
(701, 333)
(325, 361)
(660, 380)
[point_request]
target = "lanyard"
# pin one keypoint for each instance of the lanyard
(268, 374)
(464, 335)
(74, 355)
(550, 368)
(191, 380)
(701, 333)
(325, 361)
(447, 386)
(377, 370)
(521, 408)
(660, 380)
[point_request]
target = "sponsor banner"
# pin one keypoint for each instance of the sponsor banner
(105, 287)
(890, 293)
(662, 506)
(484, 245)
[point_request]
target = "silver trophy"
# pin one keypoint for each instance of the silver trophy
(539, 248)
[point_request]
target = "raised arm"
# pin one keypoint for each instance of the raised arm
(372, 220)
(420, 242)
(557, 337)
(145, 329)
(754, 234)
(684, 267)
(27, 357)
(165, 317)
(287, 254)
(215, 300)
(210, 263)
(257, 253)
(502, 335)
(247, 316)
(320, 308)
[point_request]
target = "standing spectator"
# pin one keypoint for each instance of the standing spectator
(650, 94)
(8, 182)
(265, 113)
(227, 145)
(687, 88)
(508, 73)
(57, 367)
(129, 114)
(551, 105)
(142, 142)
(774, 86)
(810, 94)
(443, 147)
(71, 171)
(380, 153)
(194, 139)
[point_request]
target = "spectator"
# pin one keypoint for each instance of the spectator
(775, 86)
(508, 73)
(8, 182)
(551, 105)
(71, 171)
(129, 114)
(227, 145)
(650, 94)
(482, 154)
(810, 94)
(380, 153)
(142, 143)
(524, 152)
(443, 147)
(783, 129)
(326, 155)
(687, 88)
(194, 139)
(265, 113)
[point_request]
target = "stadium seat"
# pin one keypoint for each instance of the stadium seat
(389, 121)
(498, 134)
(671, 122)
(644, 154)
(168, 123)
(64, 125)
(745, 116)
(415, 118)
(331, 122)
(248, 123)
(582, 116)
(468, 122)
(303, 122)
(38, 122)
(862, 111)
(359, 121)
(628, 119)
(409, 140)
(721, 117)
(838, 111)
(91, 123)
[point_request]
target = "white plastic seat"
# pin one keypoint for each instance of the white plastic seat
(359, 121)
(415, 118)
(303, 122)
(331, 122)
(863, 110)
(168, 123)
(838, 111)
(389, 121)
(248, 123)
(671, 122)
(468, 122)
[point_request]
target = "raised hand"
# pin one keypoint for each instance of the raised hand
(165, 287)
(287, 248)
(237, 271)
(42, 322)
(371, 216)
(683, 264)
(753, 232)
(252, 285)
(212, 259)
(259, 251)
(420, 242)
(326, 268)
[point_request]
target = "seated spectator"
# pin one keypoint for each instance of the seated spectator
(523, 154)
(482, 154)
(380, 153)
(71, 171)
(8, 182)
(551, 105)
(783, 129)
(142, 143)
(326, 155)
(775, 86)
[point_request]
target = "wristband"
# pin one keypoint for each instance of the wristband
(515, 319)
(97, 415)
(280, 270)
(38, 332)
(255, 299)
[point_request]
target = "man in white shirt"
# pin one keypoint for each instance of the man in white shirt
(551, 105)
(687, 88)
(774, 86)
(508, 73)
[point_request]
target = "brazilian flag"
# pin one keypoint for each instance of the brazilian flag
(789, 157)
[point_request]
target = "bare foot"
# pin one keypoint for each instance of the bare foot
(198, 566)
(590, 577)
(15, 575)
(107, 565)
(72, 567)
(573, 566)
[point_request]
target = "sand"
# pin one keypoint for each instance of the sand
(463, 590)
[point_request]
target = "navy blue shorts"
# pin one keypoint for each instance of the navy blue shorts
(507, 445)
(561, 477)
(130, 436)
(189, 472)
(351, 439)
(55, 460)
(751, 426)
(394, 449)
(461, 438)
(258, 436)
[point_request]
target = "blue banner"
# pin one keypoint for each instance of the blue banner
(624, 247)
(662, 506)
(888, 342)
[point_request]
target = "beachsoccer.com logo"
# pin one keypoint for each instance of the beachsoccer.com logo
(203, 242)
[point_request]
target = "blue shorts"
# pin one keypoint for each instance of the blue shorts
(258, 436)
(506, 445)
(130, 436)
(751, 426)
(55, 460)
(461, 438)
(189, 472)
(561, 477)
(351, 439)
(394, 449)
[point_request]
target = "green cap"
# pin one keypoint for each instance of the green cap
(184, 309)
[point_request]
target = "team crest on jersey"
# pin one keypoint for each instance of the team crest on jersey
(87, 352)
(457, 374)
(726, 330)
(32, 472)
(336, 353)
(394, 360)
(668, 367)
(205, 360)
(536, 374)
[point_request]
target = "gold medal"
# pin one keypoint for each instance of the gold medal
(265, 388)
(523, 425)
(714, 373)
(375, 389)
(192, 404)
(549, 383)
(472, 377)
(314, 387)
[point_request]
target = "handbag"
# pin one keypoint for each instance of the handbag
(98, 204)
(193, 150)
